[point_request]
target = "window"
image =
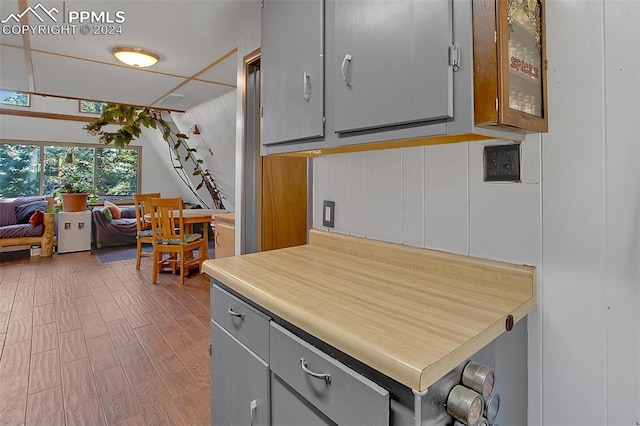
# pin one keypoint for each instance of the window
(57, 169)
(91, 107)
(19, 170)
(8, 97)
(41, 168)
(117, 171)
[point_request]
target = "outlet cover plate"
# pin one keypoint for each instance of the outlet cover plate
(502, 163)
(328, 213)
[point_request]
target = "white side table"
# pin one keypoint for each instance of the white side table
(74, 231)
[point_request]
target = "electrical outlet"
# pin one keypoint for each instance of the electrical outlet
(328, 213)
(502, 163)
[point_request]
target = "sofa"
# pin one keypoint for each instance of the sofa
(110, 231)
(25, 221)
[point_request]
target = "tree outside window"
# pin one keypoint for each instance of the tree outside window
(19, 170)
(24, 169)
(14, 98)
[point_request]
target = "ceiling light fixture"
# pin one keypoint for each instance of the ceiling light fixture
(135, 56)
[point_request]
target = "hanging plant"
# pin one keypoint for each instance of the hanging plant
(132, 120)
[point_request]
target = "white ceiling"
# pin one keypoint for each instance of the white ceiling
(196, 41)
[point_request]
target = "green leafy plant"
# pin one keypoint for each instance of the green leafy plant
(131, 121)
(77, 184)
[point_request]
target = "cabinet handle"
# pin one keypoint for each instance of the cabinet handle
(324, 376)
(217, 238)
(307, 86)
(347, 58)
(253, 406)
(234, 313)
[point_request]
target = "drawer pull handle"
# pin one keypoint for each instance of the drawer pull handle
(234, 313)
(324, 376)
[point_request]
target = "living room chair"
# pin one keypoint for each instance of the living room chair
(142, 203)
(168, 235)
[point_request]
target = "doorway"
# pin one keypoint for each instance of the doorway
(275, 196)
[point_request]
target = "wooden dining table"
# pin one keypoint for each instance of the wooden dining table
(194, 216)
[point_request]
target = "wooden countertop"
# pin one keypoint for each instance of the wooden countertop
(225, 218)
(412, 314)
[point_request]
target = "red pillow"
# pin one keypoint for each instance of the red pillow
(37, 218)
(115, 210)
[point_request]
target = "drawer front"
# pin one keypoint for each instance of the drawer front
(346, 397)
(290, 409)
(242, 321)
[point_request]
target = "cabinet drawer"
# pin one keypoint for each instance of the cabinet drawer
(345, 396)
(242, 321)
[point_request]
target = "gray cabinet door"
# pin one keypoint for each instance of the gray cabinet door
(239, 382)
(391, 63)
(292, 69)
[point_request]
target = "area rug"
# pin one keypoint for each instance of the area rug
(114, 254)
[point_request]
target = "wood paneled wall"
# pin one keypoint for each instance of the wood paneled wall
(284, 202)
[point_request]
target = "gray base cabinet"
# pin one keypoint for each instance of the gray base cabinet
(239, 382)
(240, 374)
(263, 374)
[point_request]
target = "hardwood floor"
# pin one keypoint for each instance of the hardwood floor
(90, 343)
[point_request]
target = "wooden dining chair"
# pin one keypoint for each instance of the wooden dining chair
(142, 203)
(168, 234)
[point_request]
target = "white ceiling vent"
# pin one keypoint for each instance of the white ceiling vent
(171, 99)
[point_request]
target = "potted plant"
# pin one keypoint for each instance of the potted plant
(74, 193)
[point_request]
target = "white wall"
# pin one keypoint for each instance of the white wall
(435, 197)
(591, 215)
(216, 120)
(158, 174)
(576, 217)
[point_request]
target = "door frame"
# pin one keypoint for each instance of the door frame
(252, 208)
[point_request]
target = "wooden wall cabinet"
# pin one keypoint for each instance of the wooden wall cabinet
(509, 56)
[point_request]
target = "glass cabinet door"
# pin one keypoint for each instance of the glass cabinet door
(522, 63)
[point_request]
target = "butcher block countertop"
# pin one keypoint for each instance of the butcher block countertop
(412, 314)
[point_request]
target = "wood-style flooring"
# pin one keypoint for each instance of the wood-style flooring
(90, 343)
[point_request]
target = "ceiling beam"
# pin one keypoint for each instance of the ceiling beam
(34, 114)
(194, 76)
(26, 46)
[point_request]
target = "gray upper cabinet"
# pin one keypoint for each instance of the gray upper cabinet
(292, 66)
(391, 63)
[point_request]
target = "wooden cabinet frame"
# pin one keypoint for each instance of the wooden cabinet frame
(492, 62)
